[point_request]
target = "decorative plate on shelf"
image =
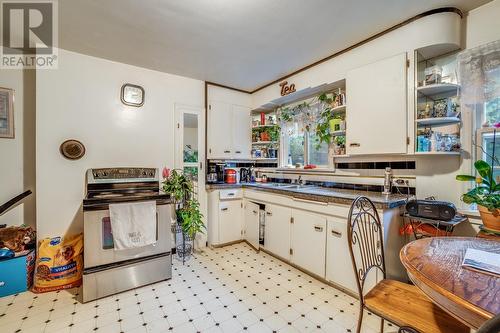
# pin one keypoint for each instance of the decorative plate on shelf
(72, 149)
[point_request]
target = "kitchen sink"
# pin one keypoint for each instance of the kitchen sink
(288, 186)
(299, 187)
(275, 184)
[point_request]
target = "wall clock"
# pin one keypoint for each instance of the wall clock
(132, 95)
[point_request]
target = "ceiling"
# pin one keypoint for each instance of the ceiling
(239, 43)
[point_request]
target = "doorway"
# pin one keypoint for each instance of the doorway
(190, 153)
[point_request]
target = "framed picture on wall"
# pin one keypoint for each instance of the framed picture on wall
(6, 113)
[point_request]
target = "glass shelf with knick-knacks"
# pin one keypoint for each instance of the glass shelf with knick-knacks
(437, 105)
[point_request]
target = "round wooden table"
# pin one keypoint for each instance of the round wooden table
(435, 266)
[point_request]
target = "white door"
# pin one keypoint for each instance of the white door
(277, 230)
(230, 221)
(377, 108)
(252, 223)
(308, 241)
(339, 267)
(220, 119)
(189, 152)
(242, 132)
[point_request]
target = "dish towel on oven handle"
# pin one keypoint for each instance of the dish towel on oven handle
(133, 224)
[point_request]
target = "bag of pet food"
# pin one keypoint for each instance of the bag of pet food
(59, 263)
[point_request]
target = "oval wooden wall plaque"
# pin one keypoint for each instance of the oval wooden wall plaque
(72, 149)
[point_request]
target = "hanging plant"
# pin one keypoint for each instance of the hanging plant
(323, 134)
(274, 133)
(315, 119)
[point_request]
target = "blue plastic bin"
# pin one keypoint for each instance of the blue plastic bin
(16, 274)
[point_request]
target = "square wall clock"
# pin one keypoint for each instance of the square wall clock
(132, 95)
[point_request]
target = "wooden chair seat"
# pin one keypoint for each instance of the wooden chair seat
(405, 305)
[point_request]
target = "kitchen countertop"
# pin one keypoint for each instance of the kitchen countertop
(321, 194)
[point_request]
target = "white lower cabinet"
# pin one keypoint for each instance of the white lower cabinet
(308, 241)
(277, 230)
(339, 269)
(230, 221)
(251, 228)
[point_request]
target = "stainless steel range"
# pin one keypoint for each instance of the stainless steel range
(108, 271)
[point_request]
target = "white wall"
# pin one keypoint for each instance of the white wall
(230, 96)
(17, 155)
(81, 100)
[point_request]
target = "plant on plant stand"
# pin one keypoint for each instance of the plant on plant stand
(187, 209)
(486, 193)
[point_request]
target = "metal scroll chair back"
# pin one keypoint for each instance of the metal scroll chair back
(365, 239)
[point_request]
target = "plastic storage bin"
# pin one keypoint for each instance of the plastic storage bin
(16, 274)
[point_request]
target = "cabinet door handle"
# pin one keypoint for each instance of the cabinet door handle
(336, 233)
(227, 151)
(354, 144)
(230, 194)
(269, 213)
(224, 209)
(318, 228)
(255, 212)
(238, 152)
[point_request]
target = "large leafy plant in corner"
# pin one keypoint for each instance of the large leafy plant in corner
(180, 188)
(486, 193)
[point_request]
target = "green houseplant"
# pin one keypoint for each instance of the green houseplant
(323, 130)
(189, 217)
(486, 193)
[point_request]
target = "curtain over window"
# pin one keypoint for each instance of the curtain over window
(479, 73)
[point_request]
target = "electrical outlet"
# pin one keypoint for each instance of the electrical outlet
(400, 182)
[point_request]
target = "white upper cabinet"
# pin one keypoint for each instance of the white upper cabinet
(219, 136)
(377, 107)
(242, 132)
(229, 131)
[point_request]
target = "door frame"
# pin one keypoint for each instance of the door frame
(179, 111)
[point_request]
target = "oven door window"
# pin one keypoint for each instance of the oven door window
(107, 234)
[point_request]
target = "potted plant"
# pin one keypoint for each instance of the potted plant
(187, 209)
(486, 193)
(339, 145)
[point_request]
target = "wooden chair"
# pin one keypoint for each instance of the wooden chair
(400, 303)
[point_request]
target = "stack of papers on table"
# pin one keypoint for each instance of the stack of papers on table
(482, 261)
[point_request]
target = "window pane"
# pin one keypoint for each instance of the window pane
(295, 145)
(191, 172)
(487, 145)
(318, 154)
(492, 111)
(190, 137)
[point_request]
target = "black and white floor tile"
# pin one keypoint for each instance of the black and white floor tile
(231, 289)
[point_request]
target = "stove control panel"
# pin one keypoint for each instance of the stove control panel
(123, 173)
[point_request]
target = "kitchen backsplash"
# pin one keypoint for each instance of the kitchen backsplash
(398, 165)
